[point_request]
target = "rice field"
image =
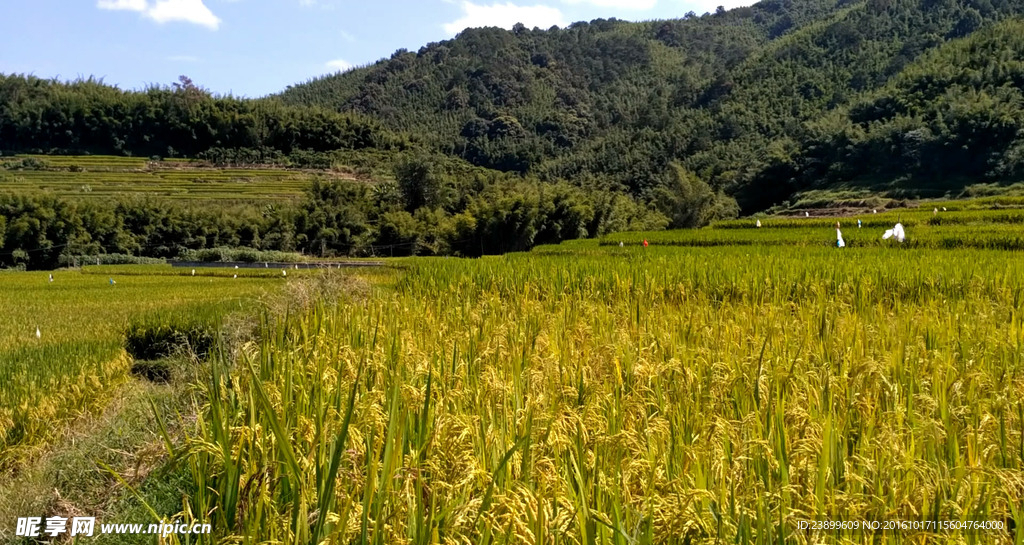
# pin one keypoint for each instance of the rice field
(103, 177)
(980, 228)
(725, 385)
(78, 358)
(594, 394)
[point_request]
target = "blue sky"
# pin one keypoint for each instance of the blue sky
(257, 47)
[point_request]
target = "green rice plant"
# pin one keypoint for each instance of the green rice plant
(1001, 236)
(191, 332)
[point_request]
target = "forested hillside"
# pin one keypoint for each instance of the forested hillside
(499, 140)
(951, 118)
(743, 98)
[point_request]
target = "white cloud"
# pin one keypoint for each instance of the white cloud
(709, 6)
(639, 5)
(347, 37)
(130, 5)
(165, 11)
(188, 11)
(699, 6)
(505, 16)
(729, 4)
(183, 58)
(339, 65)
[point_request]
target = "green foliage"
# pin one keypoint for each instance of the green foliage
(690, 202)
(86, 116)
(164, 335)
(241, 255)
(44, 232)
(38, 230)
(955, 115)
(759, 102)
(421, 185)
(67, 260)
(515, 218)
(398, 230)
(336, 218)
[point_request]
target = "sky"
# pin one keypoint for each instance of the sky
(253, 48)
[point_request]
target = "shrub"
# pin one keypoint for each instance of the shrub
(164, 336)
(107, 259)
(153, 370)
(244, 255)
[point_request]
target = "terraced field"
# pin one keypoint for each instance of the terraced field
(103, 177)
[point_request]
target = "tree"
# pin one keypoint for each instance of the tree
(419, 183)
(689, 201)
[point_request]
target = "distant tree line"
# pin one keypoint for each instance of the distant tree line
(423, 212)
(184, 120)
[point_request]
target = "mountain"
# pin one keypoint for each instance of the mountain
(695, 118)
(908, 97)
